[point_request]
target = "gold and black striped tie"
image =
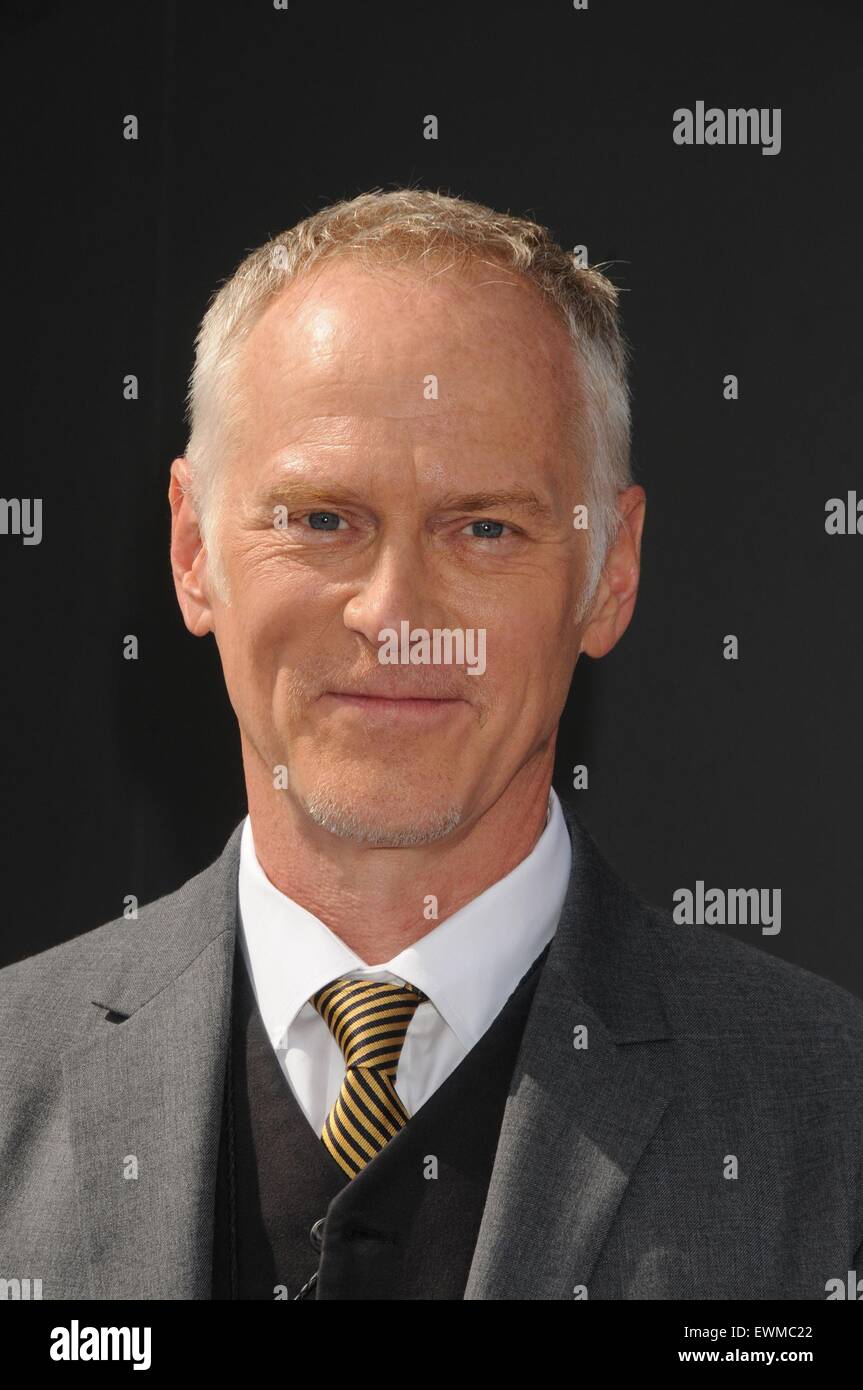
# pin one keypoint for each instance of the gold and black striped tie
(368, 1020)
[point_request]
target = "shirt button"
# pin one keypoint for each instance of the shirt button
(316, 1234)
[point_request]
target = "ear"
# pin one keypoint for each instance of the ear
(617, 590)
(188, 555)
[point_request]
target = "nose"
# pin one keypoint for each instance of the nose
(397, 587)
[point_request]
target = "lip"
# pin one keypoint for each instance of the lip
(412, 707)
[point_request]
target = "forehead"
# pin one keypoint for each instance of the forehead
(364, 342)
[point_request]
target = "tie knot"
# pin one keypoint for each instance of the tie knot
(368, 1019)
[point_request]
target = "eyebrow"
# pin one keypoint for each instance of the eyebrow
(521, 499)
(516, 498)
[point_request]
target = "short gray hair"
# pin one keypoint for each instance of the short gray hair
(414, 226)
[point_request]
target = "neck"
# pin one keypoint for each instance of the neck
(375, 899)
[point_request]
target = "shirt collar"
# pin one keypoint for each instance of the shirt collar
(468, 965)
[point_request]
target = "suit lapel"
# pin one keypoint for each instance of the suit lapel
(144, 1096)
(577, 1119)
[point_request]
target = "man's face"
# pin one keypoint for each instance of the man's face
(384, 488)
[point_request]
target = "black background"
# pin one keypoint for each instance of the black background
(125, 777)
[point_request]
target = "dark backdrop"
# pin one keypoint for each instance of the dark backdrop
(125, 777)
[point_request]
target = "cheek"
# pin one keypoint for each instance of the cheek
(529, 661)
(251, 639)
(270, 604)
(534, 637)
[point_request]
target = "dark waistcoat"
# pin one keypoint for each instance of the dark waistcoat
(405, 1226)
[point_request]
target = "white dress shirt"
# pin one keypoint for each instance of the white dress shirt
(468, 966)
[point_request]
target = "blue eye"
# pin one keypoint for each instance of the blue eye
(494, 534)
(330, 521)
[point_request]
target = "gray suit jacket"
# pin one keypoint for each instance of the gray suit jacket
(706, 1143)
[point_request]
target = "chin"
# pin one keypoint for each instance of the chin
(377, 821)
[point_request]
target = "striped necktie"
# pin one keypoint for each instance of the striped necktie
(368, 1020)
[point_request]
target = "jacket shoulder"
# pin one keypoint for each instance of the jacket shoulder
(52, 985)
(721, 984)
(712, 983)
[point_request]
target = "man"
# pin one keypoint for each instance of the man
(410, 1036)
